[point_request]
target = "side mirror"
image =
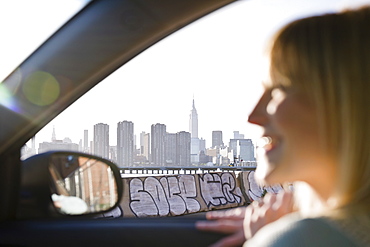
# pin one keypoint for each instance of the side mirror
(68, 183)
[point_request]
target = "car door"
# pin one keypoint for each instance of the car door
(96, 42)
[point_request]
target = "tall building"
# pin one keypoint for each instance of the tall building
(80, 146)
(202, 145)
(145, 145)
(86, 141)
(125, 143)
(193, 122)
(113, 154)
(101, 140)
(171, 149)
(194, 150)
(178, 149)
(33, 146)
(53, 136)
(183, 140)
(142, 134)
(158, 147)
(217, 138)
(195, 143)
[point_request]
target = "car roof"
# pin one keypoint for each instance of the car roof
(94, 43)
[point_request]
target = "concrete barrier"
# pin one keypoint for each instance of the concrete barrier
(180, 194)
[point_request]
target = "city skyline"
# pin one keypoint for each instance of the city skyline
(193, 129)
(167, 149)
(159, 147)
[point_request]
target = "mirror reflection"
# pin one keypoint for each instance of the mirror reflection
(81, 185)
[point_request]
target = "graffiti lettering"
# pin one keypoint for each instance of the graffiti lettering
(142, 203)
(171, 187)
(181, 194)
(231, 192)
(188, 192)
(166, 196)
(219, 189)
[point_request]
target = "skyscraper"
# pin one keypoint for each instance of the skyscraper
(202, 145)
(33, 145)
(158, 147)
(53, 136)
(86, 141)
(101, 140)
(183, 140)
(145, 145)
(217, 138)
(193, 122)
(125, 143)
(171, 152)
(193, 128)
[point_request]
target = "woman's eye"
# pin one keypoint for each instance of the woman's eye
(278, 89)
(277, 92)
(277, 96)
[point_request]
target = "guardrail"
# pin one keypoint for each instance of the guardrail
(183, 170)
(172, 191)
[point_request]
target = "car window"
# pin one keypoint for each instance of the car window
(203, 64)
(199, 83)
(25, 25)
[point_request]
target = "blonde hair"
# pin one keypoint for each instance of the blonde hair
(328, 57)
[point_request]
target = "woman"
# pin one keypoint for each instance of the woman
(315, 113)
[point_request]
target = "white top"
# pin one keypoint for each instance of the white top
(292, 230)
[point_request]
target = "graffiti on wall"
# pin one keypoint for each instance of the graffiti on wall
(219, 189)
(254, 191)
(183, 194)
(153, 196)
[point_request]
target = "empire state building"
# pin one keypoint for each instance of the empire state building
(193, 129)
(193, 122)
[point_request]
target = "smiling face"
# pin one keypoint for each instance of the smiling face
(317, 127)
(293, 150)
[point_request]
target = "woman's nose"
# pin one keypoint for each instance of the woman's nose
(259, 115)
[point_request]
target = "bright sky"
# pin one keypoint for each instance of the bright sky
(218, 60)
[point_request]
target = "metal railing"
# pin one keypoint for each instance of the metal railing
(182, 170)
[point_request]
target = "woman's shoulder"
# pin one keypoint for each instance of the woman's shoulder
(293, 230)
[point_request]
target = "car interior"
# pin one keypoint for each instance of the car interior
(111, 32)
(98, 40)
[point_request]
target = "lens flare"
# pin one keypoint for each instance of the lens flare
(6, 98)
(14, 81)
(41, 88)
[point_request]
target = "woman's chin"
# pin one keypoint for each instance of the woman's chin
(263, 173)
(268, 165)
(268, 173)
